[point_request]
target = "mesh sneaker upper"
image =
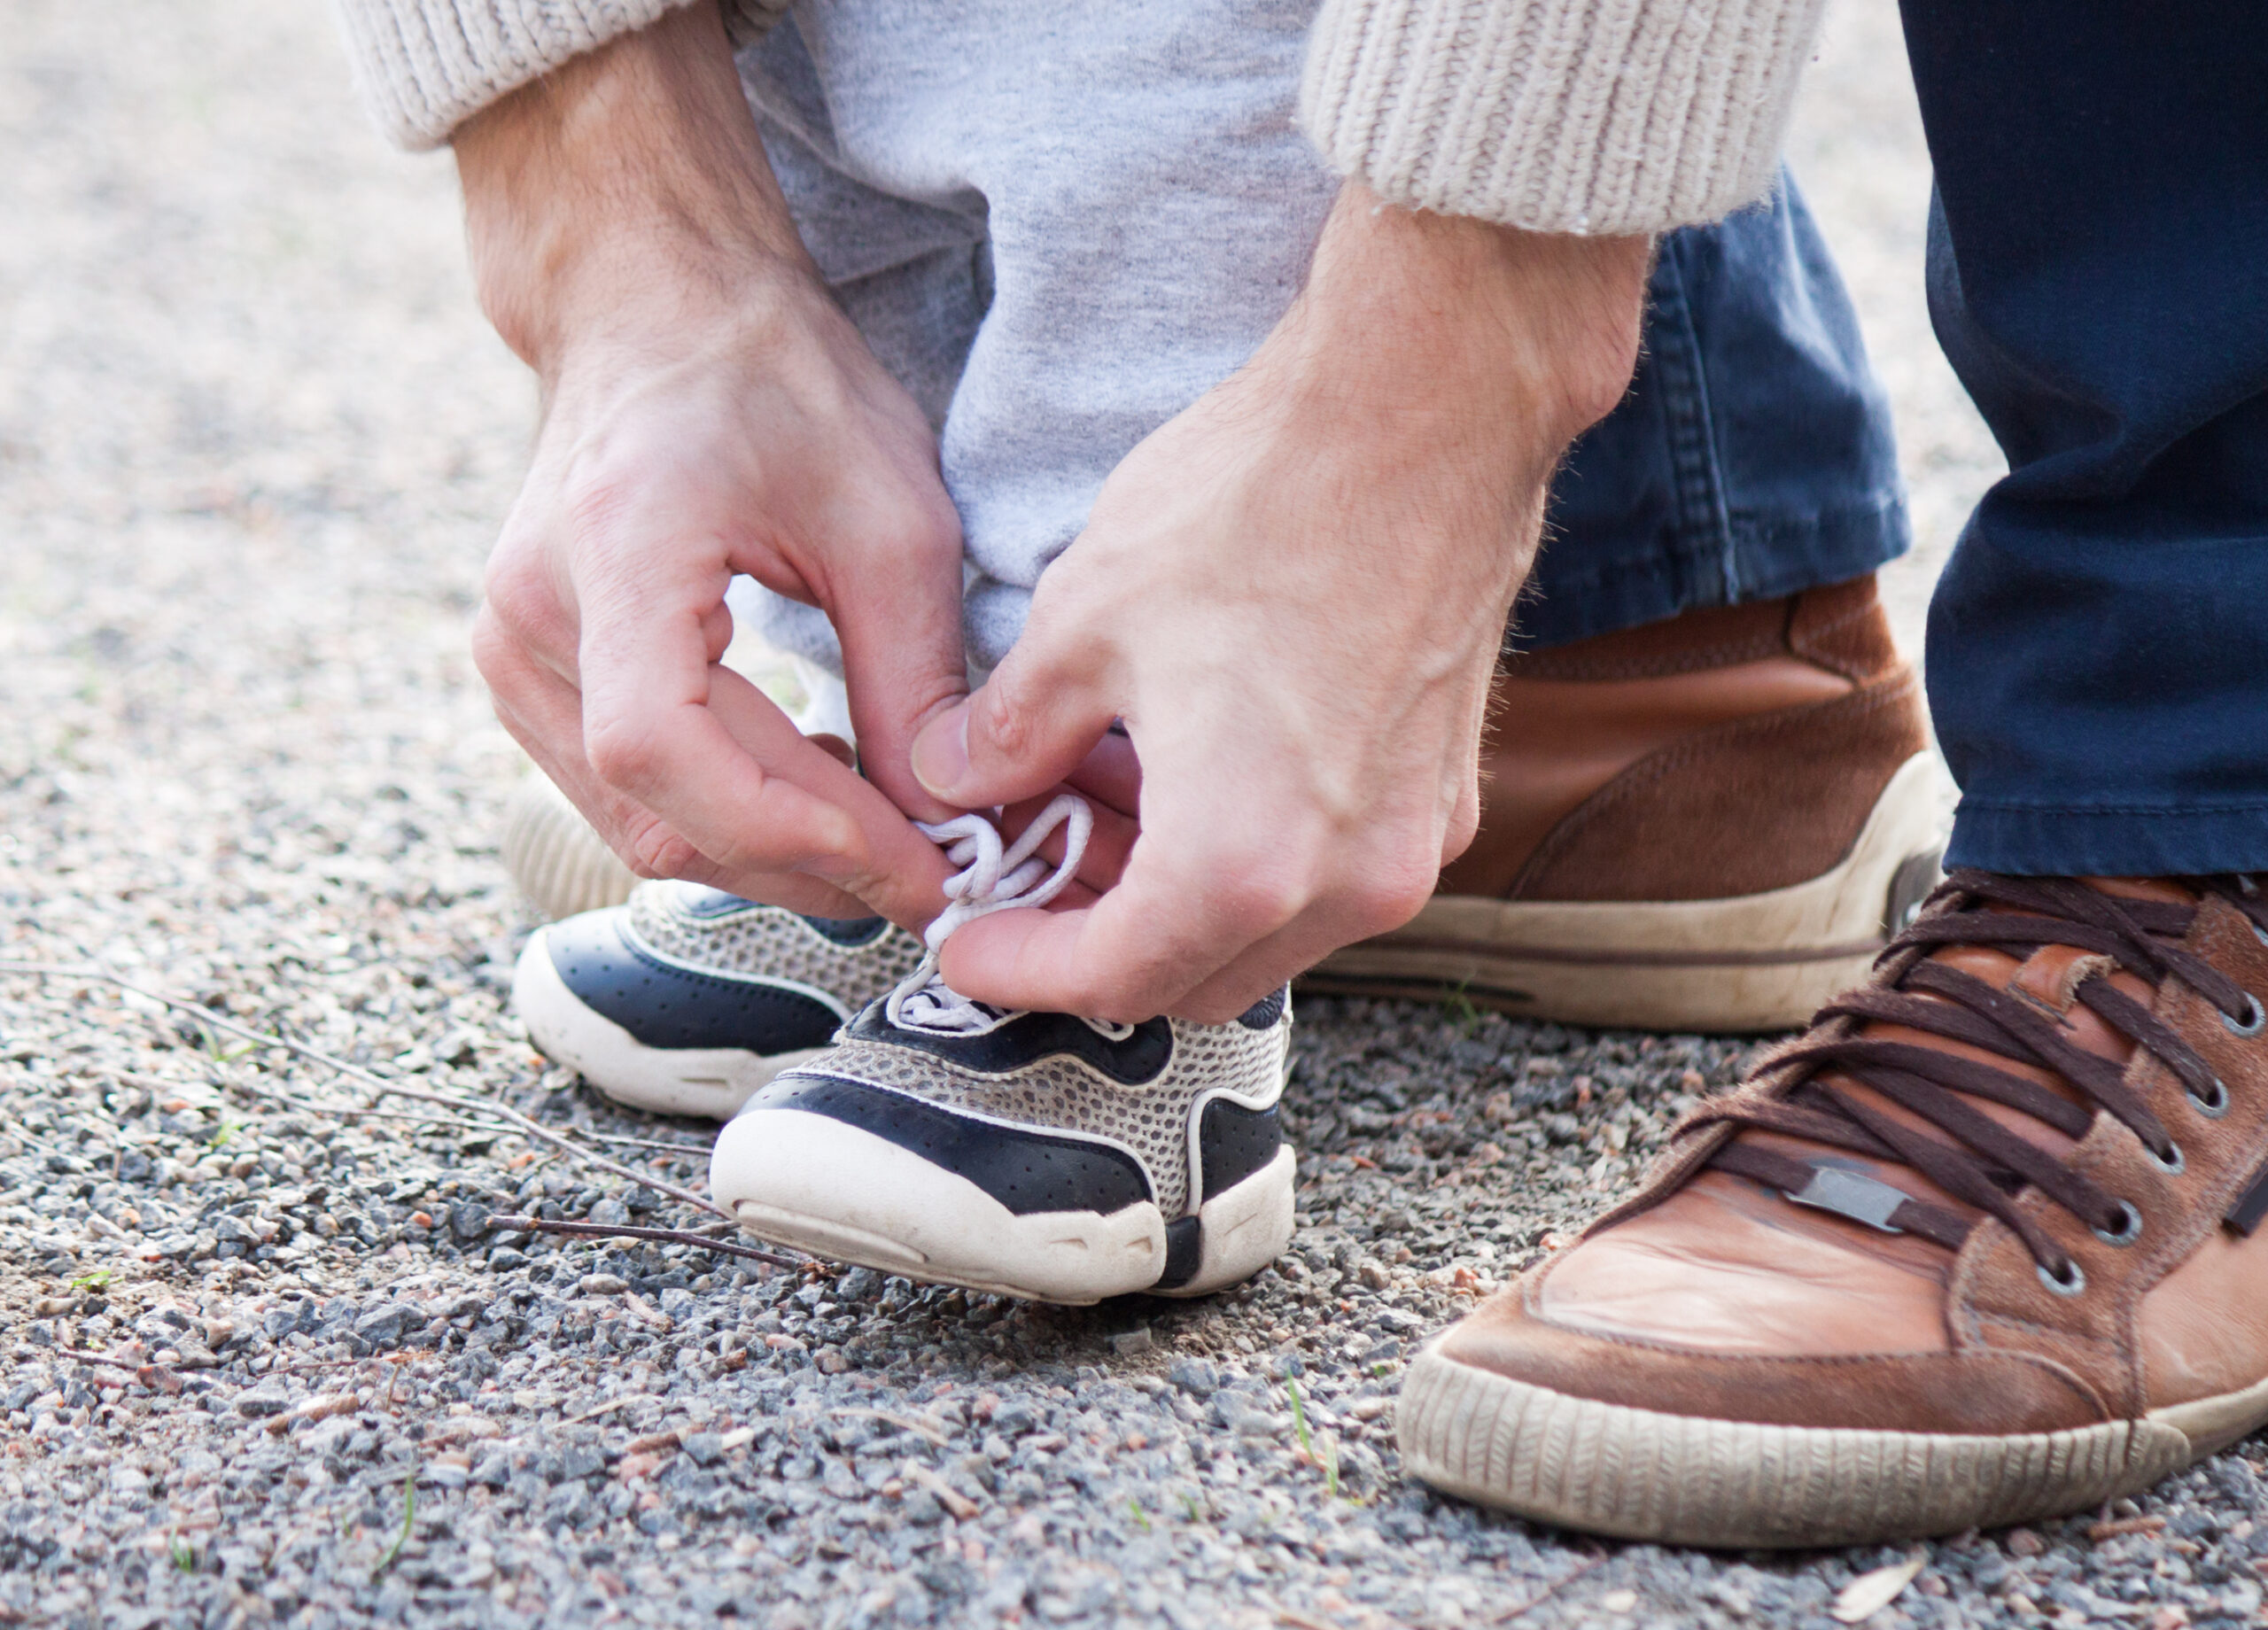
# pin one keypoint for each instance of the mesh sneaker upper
(767, 942)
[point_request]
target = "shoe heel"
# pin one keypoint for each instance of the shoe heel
(1241, 1229)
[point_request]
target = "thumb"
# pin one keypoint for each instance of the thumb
(1021, 733)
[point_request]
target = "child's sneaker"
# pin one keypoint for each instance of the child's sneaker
(686, 999)
(1035, 1154)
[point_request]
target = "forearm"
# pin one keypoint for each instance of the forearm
(1451, 329)
(625, 186)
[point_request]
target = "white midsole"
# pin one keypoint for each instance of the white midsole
(810, 1181)
(710, 1081)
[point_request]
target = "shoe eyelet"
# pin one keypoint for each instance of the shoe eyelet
(2128, 1230)
(2171, 1163)
(2072, 1282)
(2216, 1104)
(2254, 1020)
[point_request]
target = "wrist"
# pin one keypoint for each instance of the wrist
(1429, 319)
(603, 199)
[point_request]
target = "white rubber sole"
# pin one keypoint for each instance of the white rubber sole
(1752, 962)
(711, 1082)
(814, 1182)
(1679, 1480)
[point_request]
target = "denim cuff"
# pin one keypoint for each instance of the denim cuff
(2146, 840)
(1753, 457)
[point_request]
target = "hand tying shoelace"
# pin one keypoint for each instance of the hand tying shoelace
(995, 877)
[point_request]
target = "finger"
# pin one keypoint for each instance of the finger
(1179, 913)
(649, 733)
(902, 661)
(893, 867)
(1262, 970)
(1111, 775)
(1110, 779)
(1207, 916)
(1026, 728)
(545, 716)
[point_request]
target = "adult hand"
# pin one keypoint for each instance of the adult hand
(707, 410)
(1293, 593)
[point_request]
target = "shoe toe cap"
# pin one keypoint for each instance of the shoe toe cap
(1971, 1391)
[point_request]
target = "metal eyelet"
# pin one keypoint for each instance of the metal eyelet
(2062, 1286)
(2254, 1020)
(2214, 1105)
(2170, 1163)
(2129, 1228)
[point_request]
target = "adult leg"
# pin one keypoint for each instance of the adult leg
(1986, 1246)
(2098, 661)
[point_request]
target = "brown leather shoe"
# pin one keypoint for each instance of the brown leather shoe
(1712, 823)
(1981, 1247)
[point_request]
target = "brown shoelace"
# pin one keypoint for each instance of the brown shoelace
(1978, 1160)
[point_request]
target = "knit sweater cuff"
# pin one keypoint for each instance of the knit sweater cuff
(1580, 116)
(426, 66)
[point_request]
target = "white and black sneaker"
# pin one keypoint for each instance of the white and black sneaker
(1035, 1154)
(685, 999)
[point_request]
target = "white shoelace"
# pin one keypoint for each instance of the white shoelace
(995, 877)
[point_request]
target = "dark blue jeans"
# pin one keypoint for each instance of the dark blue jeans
(2098, 648)
(1753, 456)
(2098, 652)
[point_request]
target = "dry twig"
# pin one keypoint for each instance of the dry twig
(1594, 1560)
(624, 1230)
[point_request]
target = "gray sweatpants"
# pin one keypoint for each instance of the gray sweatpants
(1058, 222)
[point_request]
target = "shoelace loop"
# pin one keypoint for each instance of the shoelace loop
(1979, 1160)
(995, 876)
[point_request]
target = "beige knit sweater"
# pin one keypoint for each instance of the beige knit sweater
(1594, 116)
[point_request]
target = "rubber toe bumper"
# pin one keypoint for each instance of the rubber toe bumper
(802, 1177)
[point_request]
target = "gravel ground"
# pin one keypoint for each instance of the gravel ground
(265, 1361)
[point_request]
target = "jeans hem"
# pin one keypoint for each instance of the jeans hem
(1765, 558)
(2128, 841)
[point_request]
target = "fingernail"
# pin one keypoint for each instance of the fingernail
(941, 753)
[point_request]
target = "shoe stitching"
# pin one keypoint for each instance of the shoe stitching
(1546, 666)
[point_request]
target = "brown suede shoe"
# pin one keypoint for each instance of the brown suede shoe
(1712, 823)
(1979, 1247)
